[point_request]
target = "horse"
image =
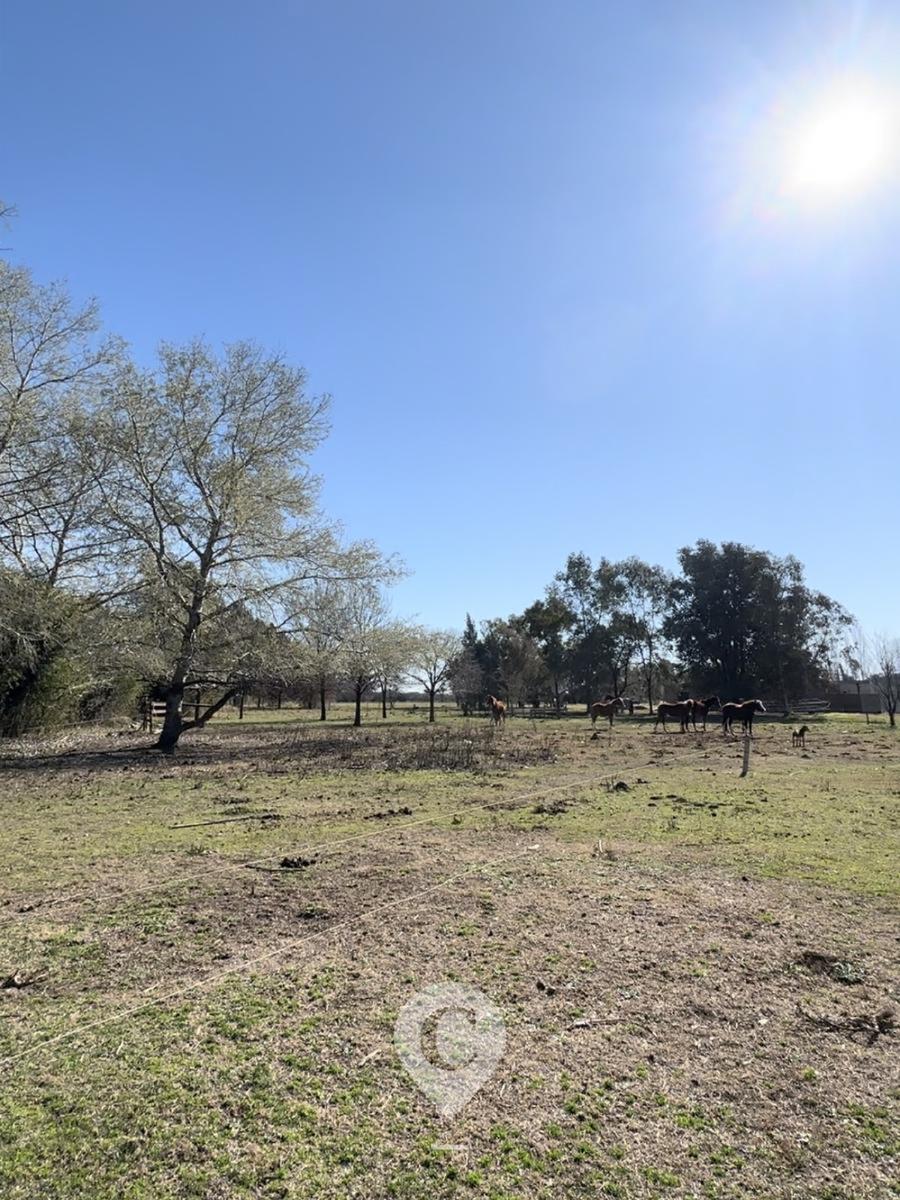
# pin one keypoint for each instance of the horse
(605, 708)
(798, 737)
(682, 709)
(745, 711)
(701, 708)
(498, 710)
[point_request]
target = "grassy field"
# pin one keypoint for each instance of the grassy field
(204, 959)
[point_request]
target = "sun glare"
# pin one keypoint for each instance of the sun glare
(841, 146)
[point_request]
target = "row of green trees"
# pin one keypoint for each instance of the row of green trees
(734, 620)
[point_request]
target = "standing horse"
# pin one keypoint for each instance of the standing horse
(798, 737)
(745, 712)
(498, 710)
(701, 708)
(681, 709)
(605, 708)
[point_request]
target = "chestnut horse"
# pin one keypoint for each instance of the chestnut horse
(743, 711)
(681, 709)
(498, 710)
(701, 708)
(605, 708)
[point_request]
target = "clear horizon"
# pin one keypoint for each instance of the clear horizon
(543, 261)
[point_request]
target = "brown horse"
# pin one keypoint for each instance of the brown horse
(798, 737)
(498, 710)
(743, 711)
(681, 709)
(701, 708)
(605, 708)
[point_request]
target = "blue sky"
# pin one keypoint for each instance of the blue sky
(538, 253)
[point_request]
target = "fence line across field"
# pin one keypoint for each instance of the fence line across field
(266, 956)
(595, 780)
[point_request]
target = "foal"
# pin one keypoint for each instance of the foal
(701, 708)
(498, 710)
(798, 737)
(605, 708)
(744, 712)
(682, 709)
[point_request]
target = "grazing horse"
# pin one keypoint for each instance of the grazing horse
(605, 708)
(798, 737)
(682, 709)
(498, 710)
(701, 708)
(745, 711)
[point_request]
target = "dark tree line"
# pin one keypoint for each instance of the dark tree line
(733, 620)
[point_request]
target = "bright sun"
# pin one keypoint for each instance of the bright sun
(844, 143)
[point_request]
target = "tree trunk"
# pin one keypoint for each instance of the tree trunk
(357, 715)
(431, 692)
(323, 711)
(241, 706)
(650, 690)
(172, 722)
(384, 692)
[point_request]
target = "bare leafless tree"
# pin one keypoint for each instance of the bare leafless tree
(886, 659)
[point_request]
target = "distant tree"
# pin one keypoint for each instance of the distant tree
(367, 634)
(855, 657)
(320, 636)
(548, 623)
(431, 661)
(886, 657)
(395, 653)
(603, 632)
(466, 681)
(745, 621)
(517, 670)
(647, 596)
(211, 492)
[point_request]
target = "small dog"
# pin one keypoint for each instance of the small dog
(798, 737)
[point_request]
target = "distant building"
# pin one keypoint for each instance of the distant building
(849, 695)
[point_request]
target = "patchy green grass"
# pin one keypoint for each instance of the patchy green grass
(190, 1018)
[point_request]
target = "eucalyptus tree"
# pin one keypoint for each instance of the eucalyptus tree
(548, 622)
(647, 596)
(211, 491)
(744, 620)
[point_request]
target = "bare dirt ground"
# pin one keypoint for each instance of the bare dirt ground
(204, 960)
